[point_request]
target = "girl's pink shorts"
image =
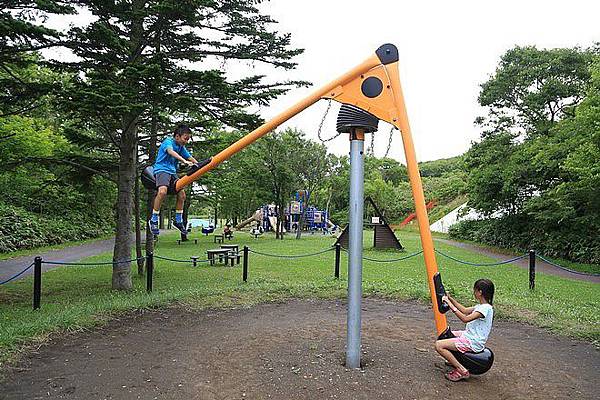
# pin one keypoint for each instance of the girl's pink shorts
(462, 343)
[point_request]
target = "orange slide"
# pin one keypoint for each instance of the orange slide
(412, 216)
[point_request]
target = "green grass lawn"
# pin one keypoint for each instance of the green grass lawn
(77, 297)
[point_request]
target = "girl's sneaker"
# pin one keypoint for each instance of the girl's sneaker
(457, 375)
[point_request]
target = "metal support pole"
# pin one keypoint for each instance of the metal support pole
(149, 271)
(37, 282)
(245, 268)
(355, 248)
(338, 249)
(531, 269)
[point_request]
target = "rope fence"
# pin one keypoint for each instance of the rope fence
(17, 275)
(481, 264)
(235, 255)
(392, 259)
(93, 264)
(181, 261)
(290, 256)
(565, 268)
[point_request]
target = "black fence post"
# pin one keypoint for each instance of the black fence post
(245, 269)
(37, 282)
(338, 248)
(531, 269)
(149, 270)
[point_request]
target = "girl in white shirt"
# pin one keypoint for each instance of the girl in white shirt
(479, 324)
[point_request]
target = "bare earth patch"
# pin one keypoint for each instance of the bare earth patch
(294, 350)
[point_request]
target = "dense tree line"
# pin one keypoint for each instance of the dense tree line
(537, 166)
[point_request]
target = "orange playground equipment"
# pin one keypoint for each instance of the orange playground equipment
(370, 91)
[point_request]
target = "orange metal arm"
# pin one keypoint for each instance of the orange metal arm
(374, 86)
(278, 120)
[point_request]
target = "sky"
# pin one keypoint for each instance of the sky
(447, 49)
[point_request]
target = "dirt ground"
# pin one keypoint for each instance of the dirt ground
(294, 350)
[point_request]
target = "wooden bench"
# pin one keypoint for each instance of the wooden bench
(233, 255)
(179, 241)
(218, 239)
(233, 258)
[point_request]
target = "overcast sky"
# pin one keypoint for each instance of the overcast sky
(447, 49)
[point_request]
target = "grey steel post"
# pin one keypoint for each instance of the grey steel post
(355, 248)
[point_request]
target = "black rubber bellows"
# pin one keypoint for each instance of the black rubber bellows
(351, 117)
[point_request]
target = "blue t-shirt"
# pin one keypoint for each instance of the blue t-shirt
(166, 162)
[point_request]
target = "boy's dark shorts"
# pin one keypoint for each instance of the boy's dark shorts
(166, 179)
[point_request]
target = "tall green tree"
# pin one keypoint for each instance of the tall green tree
(313, 165)
(135, 52)
(277, 165)
(22, 86)
(542, 184)
(532, 89)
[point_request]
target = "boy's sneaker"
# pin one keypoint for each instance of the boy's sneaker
(456, 375)
(181, 227)
(153, 225)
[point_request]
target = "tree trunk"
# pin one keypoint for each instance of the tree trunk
(302, 218)
(186, 210)
(121, 276)
(151, 193)
(138, 233)
(161, 218)
(280, 221)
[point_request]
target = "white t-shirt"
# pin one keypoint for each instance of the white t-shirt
(478, 330)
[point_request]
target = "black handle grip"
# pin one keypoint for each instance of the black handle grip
(440, 291)
(198, 165)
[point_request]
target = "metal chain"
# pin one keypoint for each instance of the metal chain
(321, 126)
(371, 149)
(389, 146)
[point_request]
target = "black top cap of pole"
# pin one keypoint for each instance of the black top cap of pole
(388, 53)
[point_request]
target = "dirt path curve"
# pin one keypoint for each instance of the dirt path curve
(13, 266)
(294, 350)
(540, 266)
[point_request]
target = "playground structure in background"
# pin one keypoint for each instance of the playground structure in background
(383, 235)
(314, 219)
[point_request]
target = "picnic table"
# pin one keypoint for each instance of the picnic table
(234, 253)
(220, 253)
(218, 239)
(232, 247)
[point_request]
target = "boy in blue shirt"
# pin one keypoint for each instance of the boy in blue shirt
(171, 151)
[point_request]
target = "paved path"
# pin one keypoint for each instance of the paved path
(13, 266)
(540, 266)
